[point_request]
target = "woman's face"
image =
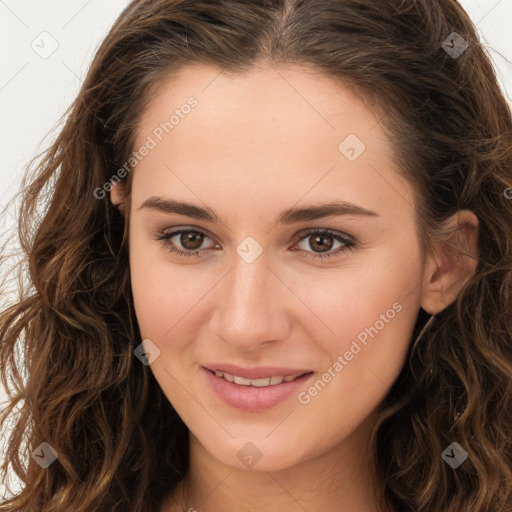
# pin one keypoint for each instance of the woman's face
(256, 157)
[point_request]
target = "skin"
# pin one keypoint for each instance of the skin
(255, 145)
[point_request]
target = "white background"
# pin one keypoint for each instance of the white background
(35, 91)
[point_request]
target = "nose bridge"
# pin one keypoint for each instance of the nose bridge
(248, 310)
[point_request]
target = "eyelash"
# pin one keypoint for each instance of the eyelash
(349, 244)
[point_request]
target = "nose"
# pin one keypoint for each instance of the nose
(250, 308)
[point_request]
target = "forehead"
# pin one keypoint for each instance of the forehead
(268, 98)
(287, 130)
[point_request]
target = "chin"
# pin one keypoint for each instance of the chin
(257, 455)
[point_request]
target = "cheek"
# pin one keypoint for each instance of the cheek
(371, 311)
(373, 319)
(163, 296)
(368, 291)
(172, 302)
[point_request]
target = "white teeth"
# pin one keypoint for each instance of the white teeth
(259, 383)
(242, 381)
(229, 377)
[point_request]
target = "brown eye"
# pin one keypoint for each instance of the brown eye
(188, 242)
(184, 242)
(191, 240)
(322, 241)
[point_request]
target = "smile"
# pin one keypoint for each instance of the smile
(257, 389)
(259, 383)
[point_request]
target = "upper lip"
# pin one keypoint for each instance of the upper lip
(260, 372)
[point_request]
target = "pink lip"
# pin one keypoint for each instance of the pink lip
(252, 398)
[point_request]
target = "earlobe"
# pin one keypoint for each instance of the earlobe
(117, 195)
(453, 264)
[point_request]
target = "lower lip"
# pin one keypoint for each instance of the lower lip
(252, 398)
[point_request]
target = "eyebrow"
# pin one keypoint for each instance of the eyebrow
(289, 216)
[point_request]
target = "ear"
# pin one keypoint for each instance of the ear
(454, 261)
(117, 195)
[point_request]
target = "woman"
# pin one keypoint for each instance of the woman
(274, 268)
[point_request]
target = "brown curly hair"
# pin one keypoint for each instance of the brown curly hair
(120, 444)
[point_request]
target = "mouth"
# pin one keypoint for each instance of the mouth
(254, 389)
(264, 382)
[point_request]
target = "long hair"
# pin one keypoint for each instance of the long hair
(77, 386)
